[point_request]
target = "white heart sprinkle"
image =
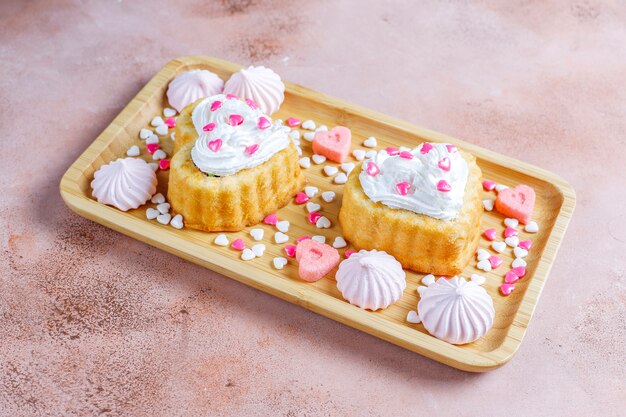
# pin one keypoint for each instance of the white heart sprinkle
(347, 167)
(512, 241)
(322, 223)
(157, 121)
(370, 142)
(532, 227)
(173, 136)
(151, 213)
(221, 240)
(371, 154)
(133, 151)
(339, 242)
(312, 207)
(310, 191)
(158, 155)
(359, 154)
(247, 254)
(158, 198)
(421, 289)
(308, 125)
(283, 226)
(518, 262)
(280, 262)
(488, 204)
(280, 237)
(162, 130)
(501, 187)
(145, 133)
(257, 234)
(520, 252)
(413, 317)
(169, 112)
(482, 254)
(428, 279)
(154, 166)
(318, 159)
(328, 196)
(330, 170)
(299, 150)
(152, 139)
(163, 208)
(309, 136)
(341, 178)
(485, 265)
(305, 162)
(321, 239)
(498, 247)
(322, 128)
(294, 134)
(258, 249)
(478, 279)
(164, 218)
(511, 222)
(177, 222)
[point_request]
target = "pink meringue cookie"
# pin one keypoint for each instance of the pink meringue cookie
(260, 84)
(190, 86)
(126, 183)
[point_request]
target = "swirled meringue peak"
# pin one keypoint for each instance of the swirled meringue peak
(428, 180)
(371, 279)
(260, 84)
(233, 135)
(193, 85)
(126, 183)
(455, 310)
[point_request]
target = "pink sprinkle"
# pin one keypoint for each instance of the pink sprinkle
(238, 244)
(444, 164)
(313, 217)
(510, 232)
(406, 155)
(489, 185)
(271, 219)
(152, 147)
(250, 150)
(403, 187)
(290, 250)
(235, 119)
(209, 127)
(495, 261)
(251, 103)
(301, 238)
(490, 234)
(301, 198)
(426, 147)
(170, 122)
(507, 289)
(520, 271)
(264, 123)
(349, 253)
(510, 277)
(216, 105)
(451, 148)
(164, 164)
(391, 150)
(372, 169)
(231, 96)
(293, 122)
(525, 244)
(215, 145)
(443, 186)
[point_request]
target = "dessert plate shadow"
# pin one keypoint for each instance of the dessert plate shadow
(554, 208)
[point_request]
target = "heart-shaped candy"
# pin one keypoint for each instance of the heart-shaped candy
(164, 164)
(508, 222)
(339, 242)
(312, 207)
(347, 167)
(484, 265)
(520, 271)
(413, 317)
(341, 178)
(489, 185)
(215, 144)
(264, 123)
(323, 223)
(283, 225)
(348, 253)
(177, 222)
(372, 169)
(257, 234)
(305, 162)
(133, 151)
(328, 196)
(158, 155)
(279, 262)
(517, 202)
(495, 261)
(280, 237)
(532, 227)
(238, 244)
(520, 252)
(518, 262)
(301, 198)
(320, 239)
(525, 244)
(270, 219)
(151, 213)
(293, 122)
(313, 217)
(258, 249)
(333, 144)
(478, 279)
(509, 232)
(164, 218)
(330, 170)
(152, 139)
(247, 254)
(161, 130)
(428, 279)
(498, 246)
(308, 125)
(152, 148)
(290, 250)
(488, 204)
(145, 133)
(318, 159)
(221, 240)
(506, 289)
(311, 191)
(315, 259)
(482, 254)
(359, 154)
(511, 277)
(370, 142)
(512, 241)
(490, 234)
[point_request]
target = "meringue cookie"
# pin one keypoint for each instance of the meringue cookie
(126, 183)
(192, 85)
(260, 84)
(371, 279)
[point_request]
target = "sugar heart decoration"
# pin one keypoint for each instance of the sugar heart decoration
(509, 222)
(320, 239)
(280, 237)
(157, 121)
(215, 145)
(413, 317)
(498, 246)
(309, 136)
(370, 142)
(311, 191)
(247, 254)
(339, 242)
(318, 159)
(238, 244)
(152, 139)
(161, 130)
(258, 249)
(315, 259)
(158, 155)
(520, 252)
(279, 262)
(330, 170)
(488, 204)
(151, 213)
(164, 164)
(301, 198)
(428, 279)
(145, 133)
(283, 226)
(520, 271)
(348, 253)
(290, 250)
(532, 227)
(169, 112)
(478, 279)
(328, 196)
(506, 289)
(510, 232)
(517, 202)
(312, 207)
(347, 167)
(511, 277)
(512, 241)
(263, 123)
(484, 265)
(323, 223)
(359, 154)
(177, 222)
(313, 217)
(293, 122)
(341, 178)
(305, 162)
(152, 148)
(221, 240)
(333, 144)
(158, 198)
(271, 219)
(209, 127)
(518, 262)
(490, 234)
(482, 254)
(133, 151)
(164, 218)
(501, 187)
(489, 185)
(525, 244)
(495, 261)
(163, 208)
(257, 234)
(308, 125)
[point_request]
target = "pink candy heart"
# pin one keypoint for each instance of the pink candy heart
(443, 186)
(170, 122)
(238, 244)
(525, 244)
(152, 147)
(444, 164)
(510, 232)
(209, 127)
(264, 123)
(349, 253)
(251, 103)
(216, 105)
(293, 122)
(230, 96)
(511, 277)
(313, 217)
(426, 147)
(391, 150)
(507, 289)
(372, 169)
(250, 150)
(315, 259)
(490, 234)
(405, 155)
(334, 144)
(520, 271)
(215, 145)
(451, 148)
(271, 219)
(495, 261)
(489, 185)
(301, 198)
(517, 202)
(164, 164)
(290, 250)
(403, 187)
(235, 119)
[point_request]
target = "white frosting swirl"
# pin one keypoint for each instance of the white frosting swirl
(125, 183)
(425, 177)
(237, 150)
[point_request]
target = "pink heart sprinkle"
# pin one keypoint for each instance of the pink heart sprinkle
(290, 250)
(271, 219)
(406, 155)
(490, 234)
(238, 244)
(164, 164)
(313, 217)
(391, 150)
(152, 147)
(349, 253)
(170, 122)
(293, 122)
(372, 169)
(444, 164)
(403, 187)
(235, 119)
(264, 123)
(301, 238)
(520, 271)
(252, 104)
(510, 232)
(209, 127)
(215, 145)
(451, 148)
(525, 244)
(216, 105)
(443, 186)
(510, 277)
(250, 150)
(231, 97)
(495, 261)
(489, 185)
(426, 147)
(301, 198)
(507, 289)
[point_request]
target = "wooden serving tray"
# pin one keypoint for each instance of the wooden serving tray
(553, 210)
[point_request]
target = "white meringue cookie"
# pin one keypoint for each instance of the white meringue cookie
(126, 183)
(192, 85)
(260, 84)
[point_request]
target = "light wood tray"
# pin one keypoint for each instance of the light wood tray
(554, 207)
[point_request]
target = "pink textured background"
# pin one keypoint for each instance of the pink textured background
(92, 322)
